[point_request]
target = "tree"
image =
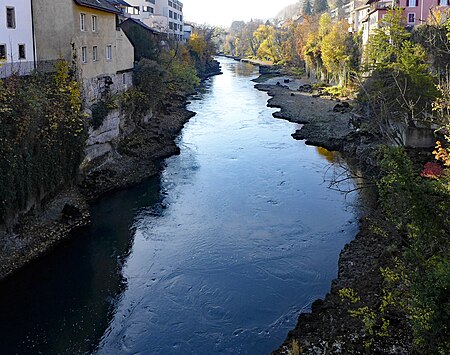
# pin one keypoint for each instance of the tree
(271, 43)
(320, 6)
(313, 48)
(307, 8)
(338, 51)
(401, 87)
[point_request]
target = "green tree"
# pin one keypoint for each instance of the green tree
(401, 87)
(320, 6)
(307, 8)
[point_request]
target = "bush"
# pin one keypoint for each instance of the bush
(420, 209)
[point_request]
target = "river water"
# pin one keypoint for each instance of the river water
(218, 255)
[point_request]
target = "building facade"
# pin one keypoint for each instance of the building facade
(88, 33)
(165, 16)
(418, 11)
(16, 38)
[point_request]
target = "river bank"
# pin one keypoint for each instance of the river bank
(330, 328)
(138, 158)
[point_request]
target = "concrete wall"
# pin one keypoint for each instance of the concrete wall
(12, 37)
(54, 29)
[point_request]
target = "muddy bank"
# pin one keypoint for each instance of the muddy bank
(138, 157)
(329, 328)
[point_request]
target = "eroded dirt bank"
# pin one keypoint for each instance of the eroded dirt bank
(330, 328)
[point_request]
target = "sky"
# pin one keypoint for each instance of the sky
(223, 12)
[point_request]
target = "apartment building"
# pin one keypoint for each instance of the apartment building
(16, 38)
(87, 32)
(418, 11)
(165, 16)
(358, 15)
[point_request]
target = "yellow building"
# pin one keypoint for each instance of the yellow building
(88, 33)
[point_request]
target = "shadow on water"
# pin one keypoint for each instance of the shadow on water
(63, 302)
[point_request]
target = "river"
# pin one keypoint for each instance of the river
(217, 255)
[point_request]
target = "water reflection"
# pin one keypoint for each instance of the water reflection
(331, 157)
(63, 303)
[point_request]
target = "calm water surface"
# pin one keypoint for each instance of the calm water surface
(217, 256)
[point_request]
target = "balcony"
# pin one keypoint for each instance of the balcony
(381, 5)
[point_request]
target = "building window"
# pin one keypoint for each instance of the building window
(152, 1)
(94, 53)
(22, 53)
(83, 55)
(108, 52)
(413, 3)
(171, 25)
(83, 22)
(10, 17)
(148, 9)
(170, 4)
(94, 23)
(170, 14)
(2, 51)
(181, 17)
(443, 2)
(411, 18)
(124, 79)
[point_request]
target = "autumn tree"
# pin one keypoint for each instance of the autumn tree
(313, 48)
(339, 52)
(271, 43)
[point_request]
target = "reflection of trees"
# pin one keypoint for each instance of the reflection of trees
(329, 156)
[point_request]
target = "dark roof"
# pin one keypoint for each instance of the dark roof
(102, 5)
(140, 23)
(118, 3)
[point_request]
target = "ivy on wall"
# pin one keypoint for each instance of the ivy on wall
(42, 136)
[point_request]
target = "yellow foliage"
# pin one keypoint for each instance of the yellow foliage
(197, 43)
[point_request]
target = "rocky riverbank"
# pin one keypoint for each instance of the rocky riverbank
(138, 157)
(330, 329)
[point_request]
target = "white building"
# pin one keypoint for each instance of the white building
(165, 16)
(187, 32)
(16, 38)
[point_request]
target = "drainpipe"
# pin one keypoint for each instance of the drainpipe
(34, 38)
(421, 10)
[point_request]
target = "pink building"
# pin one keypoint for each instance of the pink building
(418, 11)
